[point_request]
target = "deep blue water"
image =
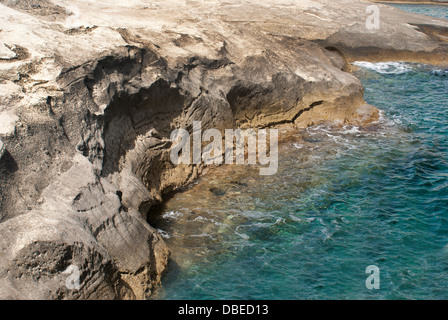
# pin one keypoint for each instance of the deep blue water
(343, 199)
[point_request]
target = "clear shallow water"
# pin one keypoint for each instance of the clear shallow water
(434, 10)
(343, 199)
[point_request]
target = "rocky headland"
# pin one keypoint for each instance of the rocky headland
(91, 90)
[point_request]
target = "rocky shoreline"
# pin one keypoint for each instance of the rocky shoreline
(440, 2)
(91, 92)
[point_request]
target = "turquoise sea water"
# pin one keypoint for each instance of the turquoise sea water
(434, 10)
(343, 199)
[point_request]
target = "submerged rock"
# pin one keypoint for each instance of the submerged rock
(217, 192)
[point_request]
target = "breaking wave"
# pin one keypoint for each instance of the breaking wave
(393, 67)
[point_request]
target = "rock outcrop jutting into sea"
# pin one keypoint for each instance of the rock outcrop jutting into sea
(91, 90)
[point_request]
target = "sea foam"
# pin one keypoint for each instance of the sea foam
(393, 67)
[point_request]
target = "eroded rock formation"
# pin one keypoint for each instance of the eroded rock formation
(91, 91)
